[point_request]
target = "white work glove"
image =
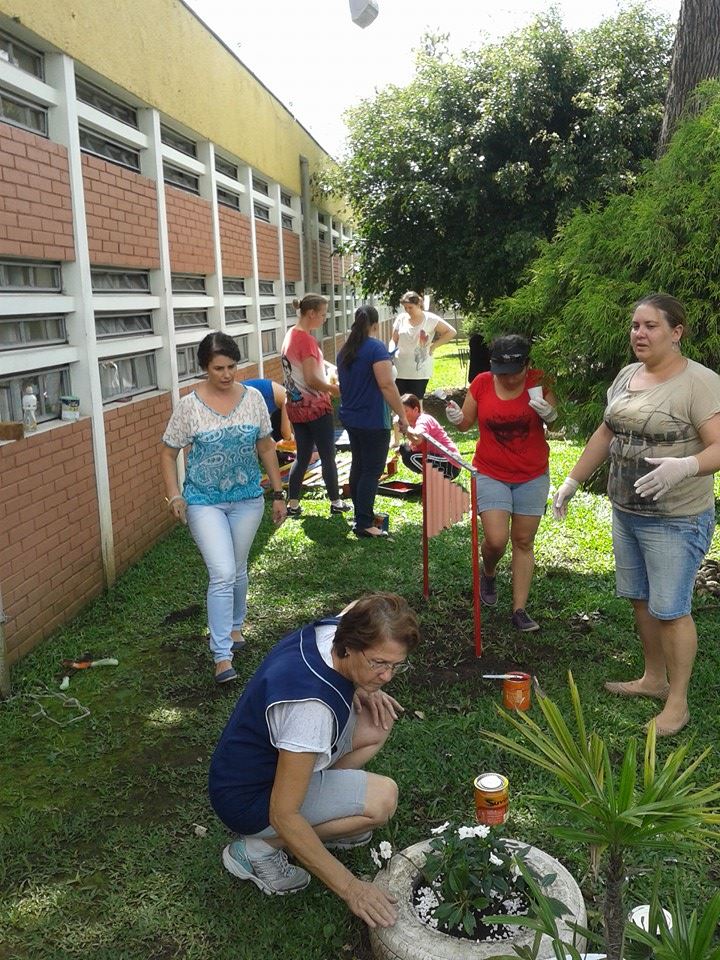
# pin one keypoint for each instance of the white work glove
(669, 472)
(566, 491)
(453, 413)
(546, 411)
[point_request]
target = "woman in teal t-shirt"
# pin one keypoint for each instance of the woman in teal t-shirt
(227, 427)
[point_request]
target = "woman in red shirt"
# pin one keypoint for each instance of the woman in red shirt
(511, 408)
(309, 405)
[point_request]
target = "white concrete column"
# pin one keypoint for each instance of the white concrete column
(160, 280)
(208, 191)
(255, 270)
(281, 255)
(77, 280)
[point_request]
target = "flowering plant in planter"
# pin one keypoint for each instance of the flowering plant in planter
(469, 872)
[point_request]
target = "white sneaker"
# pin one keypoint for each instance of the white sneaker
(272, 874)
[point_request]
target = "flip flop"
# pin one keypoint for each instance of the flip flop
(225, 676)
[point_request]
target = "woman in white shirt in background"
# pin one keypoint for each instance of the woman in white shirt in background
(417, 334)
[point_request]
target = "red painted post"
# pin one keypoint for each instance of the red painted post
(476, 567)
(426, 561)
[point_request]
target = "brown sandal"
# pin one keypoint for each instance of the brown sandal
(628, 688)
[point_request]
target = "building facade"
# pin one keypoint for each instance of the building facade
(151, 190)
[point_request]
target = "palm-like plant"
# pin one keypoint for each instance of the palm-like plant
(684, 938)
(614, 812)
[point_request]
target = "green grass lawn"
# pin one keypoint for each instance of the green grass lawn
(99, 856)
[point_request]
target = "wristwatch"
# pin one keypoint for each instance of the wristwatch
(277, 495)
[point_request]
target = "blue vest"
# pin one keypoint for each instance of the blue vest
(265, 388)
(242, 769)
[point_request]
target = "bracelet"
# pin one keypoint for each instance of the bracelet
(169, 501)
(277, 495)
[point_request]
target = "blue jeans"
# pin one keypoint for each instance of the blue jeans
(224, 534)
(656, 559)
(369, 457)
(318, 433)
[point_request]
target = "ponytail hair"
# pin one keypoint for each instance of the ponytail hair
(365, 319)
(311, 301)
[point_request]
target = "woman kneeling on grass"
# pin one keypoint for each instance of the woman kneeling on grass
(287, 771)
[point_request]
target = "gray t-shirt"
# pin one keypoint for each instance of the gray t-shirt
(660, 421)
(308, 726)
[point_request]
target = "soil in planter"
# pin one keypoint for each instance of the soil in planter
(484, 933)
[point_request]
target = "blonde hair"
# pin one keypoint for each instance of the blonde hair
(311, 301)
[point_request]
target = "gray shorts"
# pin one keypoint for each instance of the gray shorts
(333, 794)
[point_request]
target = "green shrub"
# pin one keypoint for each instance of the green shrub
(665, 236)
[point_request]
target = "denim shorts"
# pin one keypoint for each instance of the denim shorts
(527, 499)
(656, 559)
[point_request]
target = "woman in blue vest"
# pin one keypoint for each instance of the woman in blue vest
(288, 769)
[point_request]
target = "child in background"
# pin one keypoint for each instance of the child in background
(422, 423)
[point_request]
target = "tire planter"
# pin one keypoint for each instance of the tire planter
(411, 939)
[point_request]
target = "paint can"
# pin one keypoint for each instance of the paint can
(492, 798)
(382, 521)
(516, 691)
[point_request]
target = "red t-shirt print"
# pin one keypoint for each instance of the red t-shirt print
(511, 447)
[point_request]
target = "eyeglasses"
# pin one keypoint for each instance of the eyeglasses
(380, 666)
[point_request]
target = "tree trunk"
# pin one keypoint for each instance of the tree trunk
(695, 57)
(614, 907)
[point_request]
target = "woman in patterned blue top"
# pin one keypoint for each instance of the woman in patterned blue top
(227, 427)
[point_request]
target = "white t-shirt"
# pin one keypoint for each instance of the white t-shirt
(307, 726)
(413, 359)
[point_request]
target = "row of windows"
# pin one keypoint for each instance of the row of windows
(17, 276)
(120, 378)
(21, 332)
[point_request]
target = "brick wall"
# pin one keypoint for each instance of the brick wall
(325, 263)
(190, 232)
(273, 369)
(50, 560)
(291, 255)
(267, 251)
(235, 243)
(121, 215)
(133, 432)
(35, 208)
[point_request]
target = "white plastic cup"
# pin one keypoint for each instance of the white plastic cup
(536, 393)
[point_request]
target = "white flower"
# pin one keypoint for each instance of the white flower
(385, 850)
(376, 859)
(481, 831)
(442, 828)
(515, 871)
(465, 832)
(496, 860)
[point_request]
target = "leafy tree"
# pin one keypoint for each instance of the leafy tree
(695, 57)
(577, 300)
(454, 179)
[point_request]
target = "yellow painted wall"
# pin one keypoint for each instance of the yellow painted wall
(159, 51)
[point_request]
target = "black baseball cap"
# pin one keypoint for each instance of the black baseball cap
(509, 354)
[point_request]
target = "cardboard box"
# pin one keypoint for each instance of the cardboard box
(11, 430)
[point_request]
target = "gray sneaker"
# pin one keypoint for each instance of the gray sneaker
(272, 874)
(488, 590)
(522, 621)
